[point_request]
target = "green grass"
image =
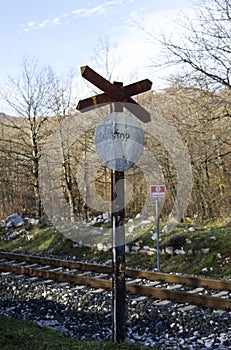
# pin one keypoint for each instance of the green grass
(23, 335)
(217, 260)
(215, 236)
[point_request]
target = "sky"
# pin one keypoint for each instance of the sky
(65, 34)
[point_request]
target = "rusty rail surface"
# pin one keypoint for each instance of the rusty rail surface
(94, 282)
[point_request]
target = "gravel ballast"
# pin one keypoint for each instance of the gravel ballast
(84, 313)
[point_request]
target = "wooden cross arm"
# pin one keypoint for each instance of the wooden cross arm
(114, 94)
(130, 90)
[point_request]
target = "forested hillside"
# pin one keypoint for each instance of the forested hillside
(200, 117)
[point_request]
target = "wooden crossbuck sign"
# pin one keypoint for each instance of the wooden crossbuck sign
(118, 96)
(113, 93)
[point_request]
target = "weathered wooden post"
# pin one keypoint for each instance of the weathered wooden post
(118, 248)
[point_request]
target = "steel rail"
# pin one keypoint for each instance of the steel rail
(94, 282)
(218, 284)
(156, 293)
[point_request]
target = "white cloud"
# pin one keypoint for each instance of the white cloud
(97, 10)
(81, 12)
(139, 46)
(56, 21)
(43, 24)
(74, 12)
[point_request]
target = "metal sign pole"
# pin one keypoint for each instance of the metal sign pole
(157, 191)
(157, 236)
(118, 250)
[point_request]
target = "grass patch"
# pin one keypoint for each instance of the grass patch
(16, 334)
(214, 236)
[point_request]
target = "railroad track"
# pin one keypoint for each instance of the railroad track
(211, 293)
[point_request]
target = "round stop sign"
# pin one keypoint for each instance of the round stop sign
(119, 141)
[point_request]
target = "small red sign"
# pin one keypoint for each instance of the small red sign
(157, 191)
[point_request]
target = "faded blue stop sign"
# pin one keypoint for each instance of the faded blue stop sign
(119, 141)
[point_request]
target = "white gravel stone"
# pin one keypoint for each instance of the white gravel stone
(84, 313)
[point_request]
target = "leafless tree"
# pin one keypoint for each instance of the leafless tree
(204, 45)
(62, 105)
(28, 95)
